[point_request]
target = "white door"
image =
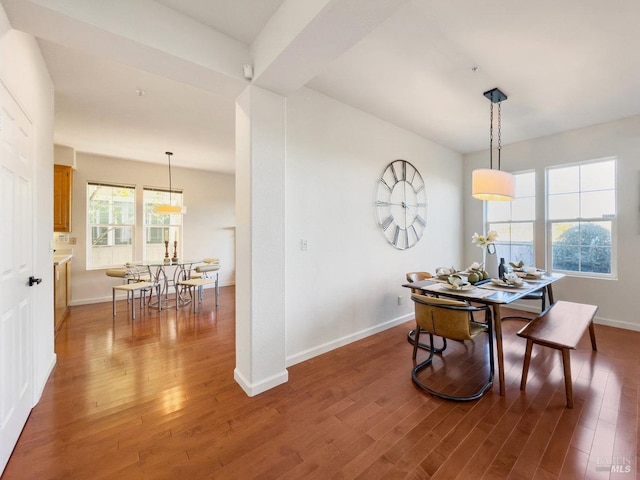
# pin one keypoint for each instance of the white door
(16, 266)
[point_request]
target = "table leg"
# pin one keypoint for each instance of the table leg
(497, 322)
(160, 279)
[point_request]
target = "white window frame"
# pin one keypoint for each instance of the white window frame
(172, 228)
(90, 261)
(488, 223)
(613, 219)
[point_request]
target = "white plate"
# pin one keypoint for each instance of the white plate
(467, 287)
(530, 275)
(500, 283)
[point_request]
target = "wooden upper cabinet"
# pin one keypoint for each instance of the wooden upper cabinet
(62, 185)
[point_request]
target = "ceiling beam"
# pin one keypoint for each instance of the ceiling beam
(142, 34)
(302, 38)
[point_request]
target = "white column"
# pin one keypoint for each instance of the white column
(260, 269)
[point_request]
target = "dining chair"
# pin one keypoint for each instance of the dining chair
(454, 320)
(135, 278)
(416, 277)
(200, 277)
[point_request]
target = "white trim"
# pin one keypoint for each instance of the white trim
(597, 320)
(108, 298)
(264, 385)
(38, 390)
(347, 339)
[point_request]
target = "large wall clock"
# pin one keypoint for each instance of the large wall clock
(401, 204)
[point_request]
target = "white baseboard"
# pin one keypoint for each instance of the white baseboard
(617, 324)
(38, 387)
(597, 320)
(253, 389)
(108, 298)
(347, 339)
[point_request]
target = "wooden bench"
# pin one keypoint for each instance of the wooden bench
(560, 327)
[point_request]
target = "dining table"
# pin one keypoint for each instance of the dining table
(493, 294)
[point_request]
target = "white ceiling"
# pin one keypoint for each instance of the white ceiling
(564, 65)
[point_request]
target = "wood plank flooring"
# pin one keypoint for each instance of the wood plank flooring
(155, 399)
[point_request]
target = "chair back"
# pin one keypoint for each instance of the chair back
(417, 276)
(443, 317)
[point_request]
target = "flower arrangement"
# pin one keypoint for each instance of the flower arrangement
(484, 240)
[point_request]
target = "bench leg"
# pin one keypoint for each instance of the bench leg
(568, 385)
(525, 365)
(592, 334)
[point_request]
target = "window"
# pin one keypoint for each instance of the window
(111, 224)
(581, 211)
(161, 227)
(514, 221)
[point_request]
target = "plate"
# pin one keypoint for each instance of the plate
(500, 283)
(467, 287)
(538, 274)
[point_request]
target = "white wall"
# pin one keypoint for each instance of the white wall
(209, 224)
(346, 285)
(23, 71)
(620, 139)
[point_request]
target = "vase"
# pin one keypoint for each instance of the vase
(490, 260)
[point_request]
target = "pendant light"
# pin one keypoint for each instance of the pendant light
(170, 207)
(487, 183)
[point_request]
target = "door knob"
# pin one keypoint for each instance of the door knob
(34, 281)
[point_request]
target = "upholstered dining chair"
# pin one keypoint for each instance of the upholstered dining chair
(454, 320)
(416, 277)
(202, 275)
(135, 278)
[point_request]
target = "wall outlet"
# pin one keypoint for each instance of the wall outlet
(304, 245)
(400, 300)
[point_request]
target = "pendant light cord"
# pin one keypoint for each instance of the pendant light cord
(491, 136)
(170, 188)
(499, 134)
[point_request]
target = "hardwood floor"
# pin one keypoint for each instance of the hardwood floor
(155, 399)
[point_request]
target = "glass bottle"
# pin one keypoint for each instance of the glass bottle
(501, 269)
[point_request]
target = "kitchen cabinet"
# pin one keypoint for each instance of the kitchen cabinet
(61, 289)
(62, 188)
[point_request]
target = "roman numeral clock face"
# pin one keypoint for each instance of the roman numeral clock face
(401, 204)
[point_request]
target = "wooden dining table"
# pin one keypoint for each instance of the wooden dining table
(493, 295)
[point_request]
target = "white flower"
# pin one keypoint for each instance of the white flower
(484, 240)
